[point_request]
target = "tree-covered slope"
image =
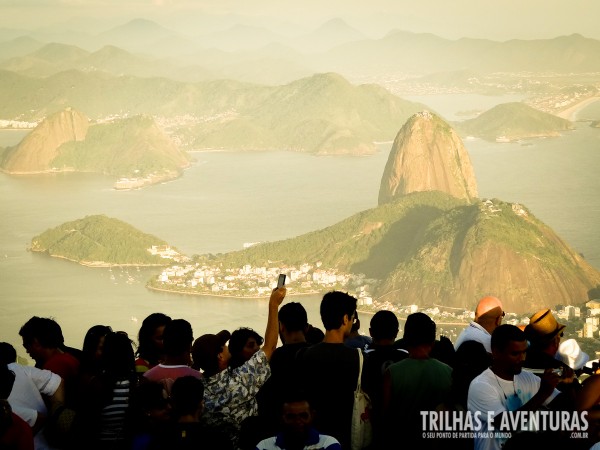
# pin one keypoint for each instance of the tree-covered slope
(133, 147)
(99, 240)
(322, 114)
(514, 121)
(430, 248)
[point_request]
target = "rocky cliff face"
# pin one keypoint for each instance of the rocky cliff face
(38, 149)
(427, 155)
(492, 247)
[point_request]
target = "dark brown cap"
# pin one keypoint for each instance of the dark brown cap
(206, 349)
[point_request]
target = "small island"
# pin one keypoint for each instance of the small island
(510, 122)
(101, 241)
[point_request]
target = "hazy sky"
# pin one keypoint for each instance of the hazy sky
(506, 19)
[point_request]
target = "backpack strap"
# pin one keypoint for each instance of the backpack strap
(360, 367)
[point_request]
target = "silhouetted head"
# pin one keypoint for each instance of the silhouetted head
(419, 330)
(293, 316)
(489, 313)
(334, 306)
(39, 335)
(243, 343)
(93, 344)
(117, 356)
(210, 353)
(8, 354)
(384, 325)
(150, 337)
(187, 396)
(46, 331)
(178, 337)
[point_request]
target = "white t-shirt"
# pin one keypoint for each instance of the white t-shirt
(475, 332)
(26, 396)
(492, 395)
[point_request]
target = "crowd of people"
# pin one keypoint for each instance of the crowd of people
(239, 390)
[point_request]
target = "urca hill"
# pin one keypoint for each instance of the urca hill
(66, 141)
(438, 245)
(100, 241)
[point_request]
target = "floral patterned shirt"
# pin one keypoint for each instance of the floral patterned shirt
(230, 395)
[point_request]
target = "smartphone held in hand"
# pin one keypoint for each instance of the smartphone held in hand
(281, 280)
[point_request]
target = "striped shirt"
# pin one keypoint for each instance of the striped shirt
(112, 419)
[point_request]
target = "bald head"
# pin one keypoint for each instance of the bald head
(489, 313)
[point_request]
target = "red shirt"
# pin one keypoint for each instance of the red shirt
(63, 364)
(18, 436)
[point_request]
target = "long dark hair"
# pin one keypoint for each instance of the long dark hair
(146, 347)
(89, 363)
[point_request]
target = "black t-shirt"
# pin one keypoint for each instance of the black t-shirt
(378, 359)
(285, 376)
(330, 373)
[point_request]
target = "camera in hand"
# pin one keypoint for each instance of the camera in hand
(591, 370)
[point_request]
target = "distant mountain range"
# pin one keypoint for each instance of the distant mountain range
(322, 114)
(423, 53)
(236, 52)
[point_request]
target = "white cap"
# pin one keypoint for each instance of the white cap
(570, 353)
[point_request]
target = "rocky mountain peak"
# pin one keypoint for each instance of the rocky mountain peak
(427, 155)
(39, 148)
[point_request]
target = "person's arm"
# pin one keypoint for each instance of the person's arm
(548, 382)
(589, 395)
(272, 331)
(57, 398)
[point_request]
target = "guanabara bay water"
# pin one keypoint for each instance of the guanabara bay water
(227, 199)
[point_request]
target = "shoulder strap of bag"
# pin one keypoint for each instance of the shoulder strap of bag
(360, 367)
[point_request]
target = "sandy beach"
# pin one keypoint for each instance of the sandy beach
(571, 112)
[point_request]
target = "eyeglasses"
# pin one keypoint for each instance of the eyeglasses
(503, 313)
